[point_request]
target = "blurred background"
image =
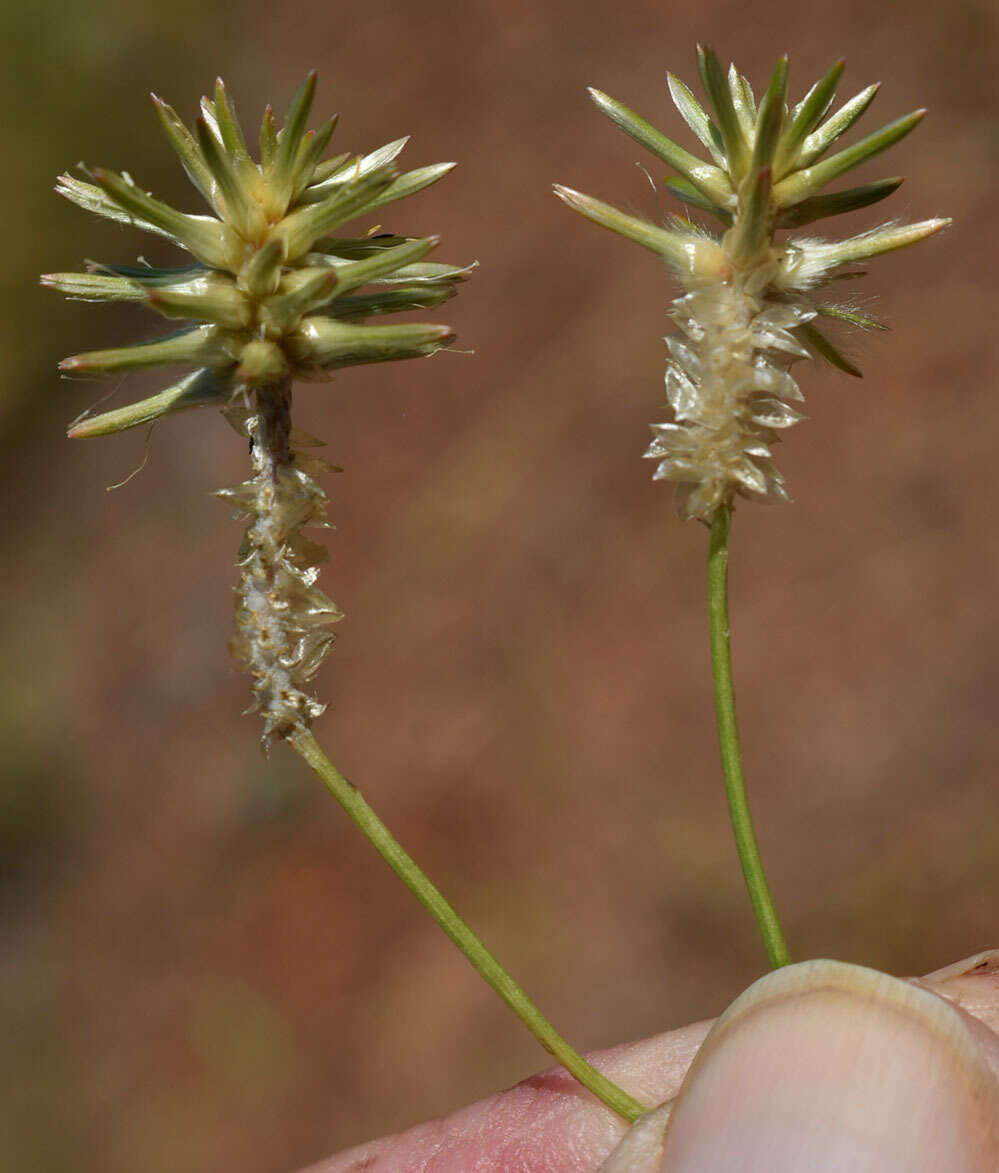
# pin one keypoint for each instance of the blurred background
(202, 965)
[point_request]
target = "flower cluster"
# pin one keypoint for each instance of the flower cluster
(751, 300)
(271, 296)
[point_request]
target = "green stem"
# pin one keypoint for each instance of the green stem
(728, 740)
(349, 797)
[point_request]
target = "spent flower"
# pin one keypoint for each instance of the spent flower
(270, 296)
(750, 300)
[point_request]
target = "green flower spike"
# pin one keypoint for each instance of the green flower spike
(750, 299)
(269, 297)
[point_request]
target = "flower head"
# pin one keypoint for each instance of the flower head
(751, 300)
(270, 295)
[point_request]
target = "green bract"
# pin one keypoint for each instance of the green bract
(767, 145)
(271, 294)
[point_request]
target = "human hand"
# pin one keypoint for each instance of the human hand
(901, 1073)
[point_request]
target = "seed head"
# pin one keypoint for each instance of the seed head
(270, 295)
(750, 302)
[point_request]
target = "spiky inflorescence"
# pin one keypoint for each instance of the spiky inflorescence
(750, 302)
(271, 296)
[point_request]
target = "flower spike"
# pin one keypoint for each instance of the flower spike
(271, 297)
(749, 298)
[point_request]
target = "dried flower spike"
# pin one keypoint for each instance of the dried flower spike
(750, 300)
(271, 296)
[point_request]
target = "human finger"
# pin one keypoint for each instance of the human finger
(549, 1124)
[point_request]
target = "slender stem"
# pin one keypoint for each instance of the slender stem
(349, 797)
(728, 740)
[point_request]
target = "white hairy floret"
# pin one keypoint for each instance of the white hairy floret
(282, 617)
(727, 383)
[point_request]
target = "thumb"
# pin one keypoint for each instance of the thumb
(838, 1069)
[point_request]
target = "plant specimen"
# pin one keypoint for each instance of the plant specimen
(273, 296)
(749, 310)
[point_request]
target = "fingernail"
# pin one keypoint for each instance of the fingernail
(835, 1068)
(830, 1068)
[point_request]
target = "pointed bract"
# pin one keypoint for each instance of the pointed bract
(311, 152)
(94, 286)
(696, 118)
(805, 117)
(852, 316)
(327, 344)
(261, 274)
(819, 141)
(267, 141)
(743, 102)
(229, 128)
(836, 203)
(206, 297)
(769, 121)
(391, 301)
(712, 181)
(183, 142)
(300, 292)
(92, 199)
(203, 345)
(200, 389)
(669, 245)
(750, 234)
(717, 88)
(809, 180)
(410, 183)
(281, 177)
(820, 345)
(300, 229)
(358, 273)
(202, 236)
(684, 190)
(236, 205)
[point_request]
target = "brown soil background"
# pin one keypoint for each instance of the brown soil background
(202, 966)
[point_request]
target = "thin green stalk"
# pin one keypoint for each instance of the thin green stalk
(349, 797)
(728, 741)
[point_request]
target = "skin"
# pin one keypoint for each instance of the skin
(548, 1124)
